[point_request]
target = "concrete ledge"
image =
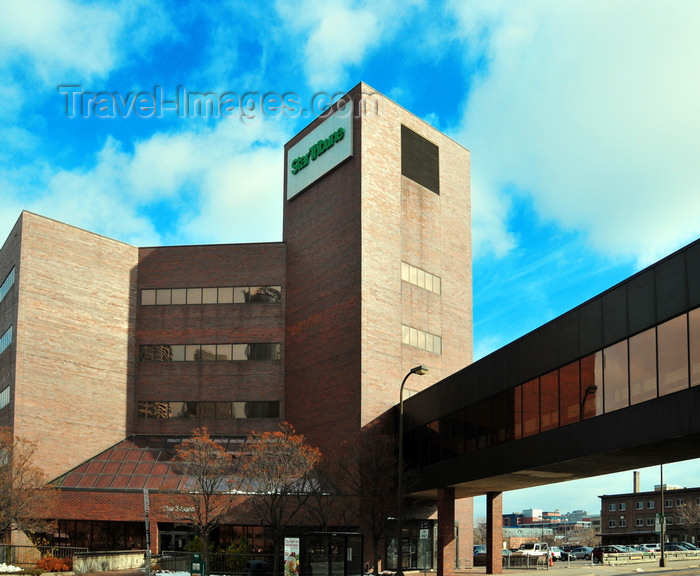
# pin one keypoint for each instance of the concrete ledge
(108, 561)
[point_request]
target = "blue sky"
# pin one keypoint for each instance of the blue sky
(582, 119)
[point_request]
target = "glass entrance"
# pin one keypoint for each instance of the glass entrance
(332, 554)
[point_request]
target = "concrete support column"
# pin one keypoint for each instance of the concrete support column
(154, 536)
(446, 532)
(494, 532)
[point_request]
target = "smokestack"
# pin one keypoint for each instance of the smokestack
(636, 482)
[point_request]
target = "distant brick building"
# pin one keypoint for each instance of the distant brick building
(635, 518)
(110, 353)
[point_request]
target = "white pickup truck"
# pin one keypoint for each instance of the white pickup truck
(533, 549)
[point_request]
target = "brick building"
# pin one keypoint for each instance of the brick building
(110, 353)
(635, 517)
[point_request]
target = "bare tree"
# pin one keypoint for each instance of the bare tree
(689, 515)
(330, 504)
(480, 531)
(366, 470)
(207, 497)
(24, 495)
(278, 477)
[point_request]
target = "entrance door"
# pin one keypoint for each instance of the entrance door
(332, 554)
(175, 541)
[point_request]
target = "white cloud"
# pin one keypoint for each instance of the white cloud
(59, 36)
(224, 183)
(591, 107)
(339, 34)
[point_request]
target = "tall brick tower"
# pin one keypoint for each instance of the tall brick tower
(377, 227)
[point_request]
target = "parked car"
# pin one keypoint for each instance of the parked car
(480, 557)
(653, 547)
(674, 547)
(559, 553)
(639, 548)
(687, 545)
(581, 553)
(598, 551)
(479, 549)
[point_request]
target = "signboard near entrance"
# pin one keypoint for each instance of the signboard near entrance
(291, 556)
(321, 150)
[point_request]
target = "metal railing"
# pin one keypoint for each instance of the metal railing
(28, 556)
(527, 561)
(219, 562)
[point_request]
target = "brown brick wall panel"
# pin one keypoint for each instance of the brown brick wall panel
(210, 266)
(402, 220)
(10, 258)
(75, 348)
(322, 356)
(218, 265)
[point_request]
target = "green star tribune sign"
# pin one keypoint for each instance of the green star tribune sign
(321, 150)
(316, 150)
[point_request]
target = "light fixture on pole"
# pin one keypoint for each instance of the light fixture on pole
(420, 370)
(590, 390)
(662, 527)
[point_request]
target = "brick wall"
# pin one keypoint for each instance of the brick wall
(74, 341)
(210, 266)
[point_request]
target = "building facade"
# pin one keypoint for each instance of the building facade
(635, 517)
(111, 353)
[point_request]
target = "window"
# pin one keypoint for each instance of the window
(642, 352)
(421, 339)
(680, 502)
(218, 410)
(210, 352)
(640, 522)
(650, 521)
(420, 278)
(4, 397)
(623, 522)
(213, 295)
(623, 506)
(420, 160)
(7, 284)
(611, 524)
(615, 377)
(650, 504)
(669, 502)
(6, 340)
(640, 505)
(611, 507)
(672, 341)
(669, 520)
(694, 345)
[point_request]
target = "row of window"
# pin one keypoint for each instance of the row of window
(218, 295)
(199, 409)
(5, 339)
(622, 506)
(621, 522)
(210, 352)
(420, 278)
(4, 397)
(7, 284)
(659, 361)
(421, 339)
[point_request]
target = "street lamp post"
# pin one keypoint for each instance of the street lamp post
(662, 528)
(590, 390)
(420, 370)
